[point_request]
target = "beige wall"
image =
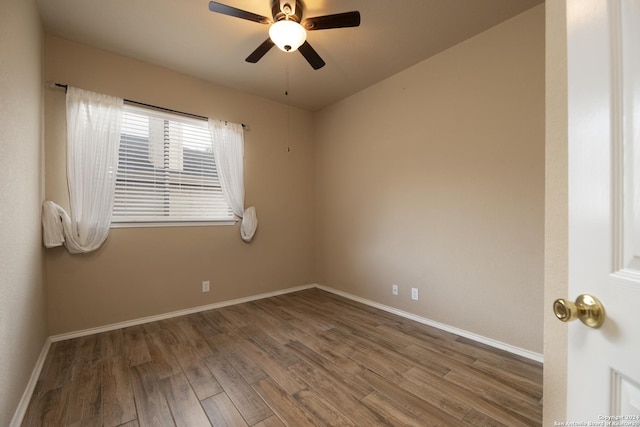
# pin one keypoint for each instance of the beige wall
(556, 212)
(22, 295)
(434, 179)
(147, 271)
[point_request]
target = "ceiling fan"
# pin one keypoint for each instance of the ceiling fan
(287, 29)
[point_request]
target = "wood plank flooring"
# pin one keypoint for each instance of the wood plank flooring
(309, 358)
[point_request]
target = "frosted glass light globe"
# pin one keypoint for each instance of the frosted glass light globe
(287, 35)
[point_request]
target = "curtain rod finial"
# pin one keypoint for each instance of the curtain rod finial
(54, 85)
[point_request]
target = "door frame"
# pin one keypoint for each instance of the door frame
(556, 210)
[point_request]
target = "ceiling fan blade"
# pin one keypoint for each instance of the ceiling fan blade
(339, 20)
(311, 56)
(237, 13)
(260, 51)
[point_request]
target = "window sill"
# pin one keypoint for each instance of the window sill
(172, 224)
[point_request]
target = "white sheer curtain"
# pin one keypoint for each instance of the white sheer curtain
(93, 139)
(228, 149)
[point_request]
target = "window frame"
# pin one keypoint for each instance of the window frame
(165, 221)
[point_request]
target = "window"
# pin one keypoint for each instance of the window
(166, 171)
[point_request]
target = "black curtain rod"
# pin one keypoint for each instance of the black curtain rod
(168, 110)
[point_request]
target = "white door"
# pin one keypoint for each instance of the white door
(604, 208)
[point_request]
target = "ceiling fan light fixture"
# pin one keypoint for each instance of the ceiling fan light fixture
(287, 35)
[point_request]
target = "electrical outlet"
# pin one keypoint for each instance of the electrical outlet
(414, 294)
(394, 289)
(205, 286)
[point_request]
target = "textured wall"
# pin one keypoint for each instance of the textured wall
(22, 294)
(147, 271)
(434, 179)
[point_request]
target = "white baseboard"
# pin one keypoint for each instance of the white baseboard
(475, 337)
(26, 397)
(21, 410)
(169, 315)
(466, 334)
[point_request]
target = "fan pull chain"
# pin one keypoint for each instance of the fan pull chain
(286, 93)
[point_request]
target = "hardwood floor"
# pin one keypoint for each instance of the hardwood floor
(308, 358)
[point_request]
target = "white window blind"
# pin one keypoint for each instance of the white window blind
(167, 170)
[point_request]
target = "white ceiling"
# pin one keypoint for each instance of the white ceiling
(185, 36)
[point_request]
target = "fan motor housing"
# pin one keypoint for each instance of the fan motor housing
(279, 15)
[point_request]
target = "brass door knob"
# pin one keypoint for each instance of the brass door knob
(587, 308)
